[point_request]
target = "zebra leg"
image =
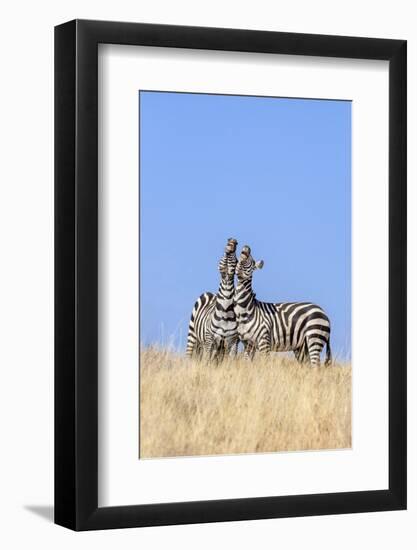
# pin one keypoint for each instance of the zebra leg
(301, 354)
(214, 350)
(264, 345)
(207, 349)
(249, 351)
(198, 351)
(211, 352)
(231, 347)
(328, 360)
(315, 345)
(246, 349)
(192, 345)
(209, 346)
(220, 352)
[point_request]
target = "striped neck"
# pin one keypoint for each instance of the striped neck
(244, 295)
(226, 288)
(223, 322)
(227, 267)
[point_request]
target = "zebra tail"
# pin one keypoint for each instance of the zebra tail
(328, 360)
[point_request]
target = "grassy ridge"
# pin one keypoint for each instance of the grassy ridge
(274, 404)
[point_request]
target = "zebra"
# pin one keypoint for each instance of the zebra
(213, 329)
(301, 327)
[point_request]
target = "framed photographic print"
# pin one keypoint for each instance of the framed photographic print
(230, 253)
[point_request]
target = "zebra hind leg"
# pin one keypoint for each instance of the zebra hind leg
(315, 345)
(301, 354)
(328, 360)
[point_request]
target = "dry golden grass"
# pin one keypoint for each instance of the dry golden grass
(189, 408)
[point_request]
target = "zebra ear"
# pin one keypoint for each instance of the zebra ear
(259, 265)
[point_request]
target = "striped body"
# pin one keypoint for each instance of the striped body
(301, 327)
(213, 327)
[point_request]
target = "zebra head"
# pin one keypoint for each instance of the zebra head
(227, 264)
(246, 264)
(231, 246)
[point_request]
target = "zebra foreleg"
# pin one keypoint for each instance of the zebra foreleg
(214, 351)
(231, 347)
(219, 352)
(198, 352)
(249, 351)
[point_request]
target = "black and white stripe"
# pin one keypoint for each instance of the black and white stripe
(301, 327)
(213, 327)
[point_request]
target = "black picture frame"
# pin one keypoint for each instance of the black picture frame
(76, 272)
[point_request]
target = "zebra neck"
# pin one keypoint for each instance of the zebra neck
(226, 289)
(244, 295)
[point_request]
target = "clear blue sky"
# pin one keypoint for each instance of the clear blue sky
(274, 173)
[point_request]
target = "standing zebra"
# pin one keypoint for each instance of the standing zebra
(300, 327)
(213, 328)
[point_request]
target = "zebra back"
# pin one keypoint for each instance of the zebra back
(302, 327)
